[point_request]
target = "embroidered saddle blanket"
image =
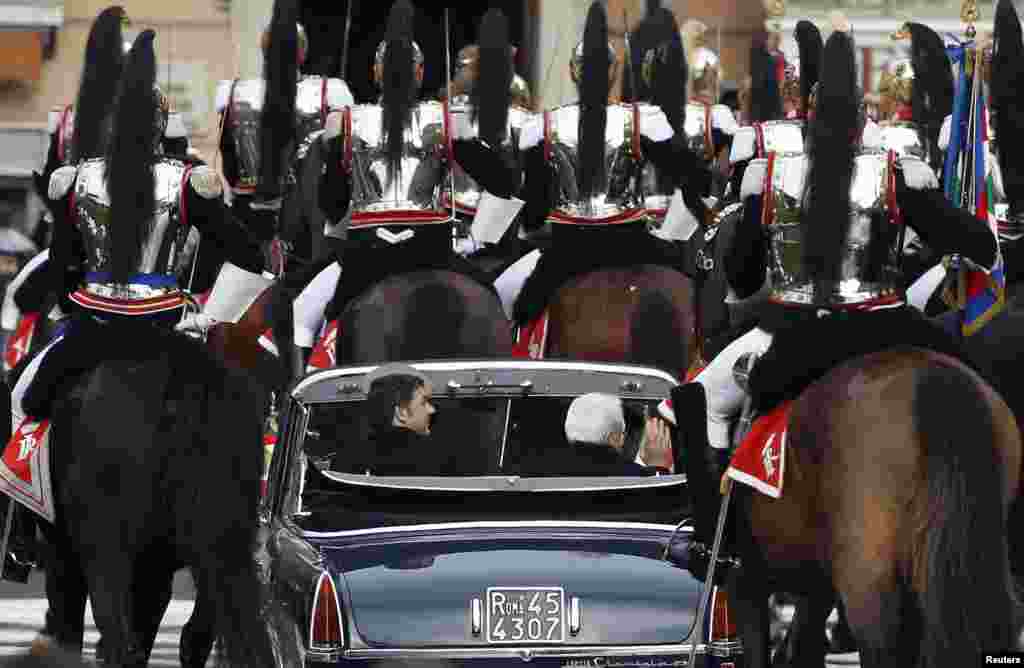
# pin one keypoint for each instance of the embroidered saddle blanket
(760, 461)
(25, 469)
(531, 340)
(325, 353)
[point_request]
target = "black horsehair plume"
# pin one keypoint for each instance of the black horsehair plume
(130, 157)
(826, 216)
(398, 90)
(277, 120)
(932, 95)
(765, 98)
(1007, 105)
(810, 47)
(660, 32)
(104, 58)
(491, 93)
(594, 89)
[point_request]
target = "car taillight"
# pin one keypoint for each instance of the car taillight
(325, 634)
(725, 647)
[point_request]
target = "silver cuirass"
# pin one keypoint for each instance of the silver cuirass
(863, 277)
(783, 138)
(619, 199)
(904, 138)
(468, 191)
(169, 244)
(412, 194)
(697, 129)
(242, 124)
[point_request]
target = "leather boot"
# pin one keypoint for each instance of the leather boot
(703, 466)
(300, 358)
(21, 555)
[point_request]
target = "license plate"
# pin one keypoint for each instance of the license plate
(525, 615)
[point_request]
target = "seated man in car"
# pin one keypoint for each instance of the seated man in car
(595, 426)
(400, 408)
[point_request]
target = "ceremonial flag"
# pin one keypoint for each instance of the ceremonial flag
(980, 293)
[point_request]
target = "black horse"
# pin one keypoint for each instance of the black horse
(156, 462)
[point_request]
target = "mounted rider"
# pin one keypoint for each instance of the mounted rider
(1007, 82)
(464, 106)
(834, 271)
(710, 126)
(587, 183)
(279, 115)
(774, 129)
(126, 241)
(388, 165)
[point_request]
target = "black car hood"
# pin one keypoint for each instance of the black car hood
(414, 588)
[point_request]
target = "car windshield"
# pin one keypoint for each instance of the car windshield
(471, 437)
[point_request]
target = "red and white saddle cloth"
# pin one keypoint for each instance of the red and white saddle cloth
(25, 469)
(760, 461)
(20, 342)
(532, 340)
(325, 353)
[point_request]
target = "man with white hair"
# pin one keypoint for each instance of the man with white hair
(595, 426)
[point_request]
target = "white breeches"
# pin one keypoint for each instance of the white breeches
(308, 309)
(18, 393)
(511, 281)
(923, 288)
(724, 396)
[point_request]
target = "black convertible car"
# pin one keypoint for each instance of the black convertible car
(512, 559)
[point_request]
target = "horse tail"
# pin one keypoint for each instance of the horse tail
(962, 553)
(220, 471)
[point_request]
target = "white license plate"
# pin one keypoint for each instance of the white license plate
(525, 615)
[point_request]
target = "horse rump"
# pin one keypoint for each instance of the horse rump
(961, 570)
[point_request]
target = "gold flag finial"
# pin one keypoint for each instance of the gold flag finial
(969, 14)
(774, 11)
(902, 33)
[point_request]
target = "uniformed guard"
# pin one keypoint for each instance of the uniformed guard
(916, 96)
(387, 168)
(710, 126)
(834, 269)
(126, 243)
(590, 184)
(279, 115)
(1007, 82)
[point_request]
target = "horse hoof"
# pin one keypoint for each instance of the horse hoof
(42, 645)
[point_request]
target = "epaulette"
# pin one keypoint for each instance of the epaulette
(60, 181)
(205, 182)
(723, 119)
(917, 174)
(338, 94)
(654, 125)
(753, 178)
(744, 145)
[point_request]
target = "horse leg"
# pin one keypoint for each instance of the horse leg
(884, 621)
(804, 644)
(110, 589)
(152, 595)
(748, 593)
(66, 596)
(199, 633)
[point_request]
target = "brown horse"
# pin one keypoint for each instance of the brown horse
(900, 470)
(643, 315)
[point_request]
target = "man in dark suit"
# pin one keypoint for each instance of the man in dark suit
(595, 426)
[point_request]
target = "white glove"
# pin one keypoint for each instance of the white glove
(196, 323)
(467, 246)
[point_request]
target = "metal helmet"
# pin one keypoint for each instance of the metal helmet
(521, 96)
(378, 62)
(704, 64)
(162, 112)
(791, 82)
(303, 48)
(576, 63)
(896, 85)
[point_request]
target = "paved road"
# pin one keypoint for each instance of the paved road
(22, 608)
